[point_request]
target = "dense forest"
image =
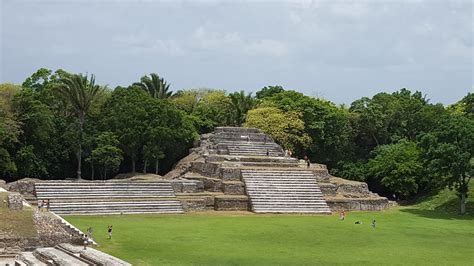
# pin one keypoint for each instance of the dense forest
(58, 125)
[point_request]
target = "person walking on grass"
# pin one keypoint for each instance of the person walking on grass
(109, 231)
(373, 223)
(342, 215)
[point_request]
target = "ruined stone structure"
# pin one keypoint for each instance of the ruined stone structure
(67, 254)
(111, 197)
(244, 169)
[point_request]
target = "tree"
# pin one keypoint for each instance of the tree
(10, 128)
(80, 91)
(448, 154)
(155, 86)
(268, 91)
(207, 107)
(106, 155)
(286, 128)
(241, 104)
(398, 167)
(326, 124)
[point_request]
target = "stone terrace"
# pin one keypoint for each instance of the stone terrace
(244, 169)
(112, 197)
(67, 254)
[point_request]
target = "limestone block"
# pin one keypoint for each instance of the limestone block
(15, 201)
(212, 184)
(353, 188)
(209, 200)
(328, 189)
(24, 186)
(196, 204)
(3, 183)
(231, 203)
(230, 174)
(234, 188)
(177, 186)
(193, 186)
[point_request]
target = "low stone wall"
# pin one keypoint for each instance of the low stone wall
(16, 245)
(360, 204)
(52, 231)
(234, 188)
(328, 189)
(230, 174)
(195, 204)
(231, 203)
(15, 201)
(187, 186)
(23, 186)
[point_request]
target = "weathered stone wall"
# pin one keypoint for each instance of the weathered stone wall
(231, 203)
(328, 189)
(187, 186)
(52, 231)
(234, 188)
(15, 201)
(196, 204)
(370, 204)
(23, 186)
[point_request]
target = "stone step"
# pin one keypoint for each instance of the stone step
(57, 257)
(29, 259)
(94, 256)
(283, 191)
(112, 212)
(316, 211)
(113, 203)
(72, 183)
(101, 195)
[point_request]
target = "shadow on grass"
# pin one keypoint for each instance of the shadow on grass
(449, 210)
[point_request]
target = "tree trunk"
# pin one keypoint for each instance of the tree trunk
(144, 166)
(156, 167)
(79, 151)
(463, 202)
(133, 165)
(92, 170)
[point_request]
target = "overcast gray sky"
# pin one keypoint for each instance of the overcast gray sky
(338, 50)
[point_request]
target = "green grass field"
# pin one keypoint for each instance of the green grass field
(402, 236)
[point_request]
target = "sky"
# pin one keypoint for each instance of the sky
(337, 50)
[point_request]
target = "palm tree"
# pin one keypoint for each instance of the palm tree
(80, 92)
(155, 86)
(241, 104)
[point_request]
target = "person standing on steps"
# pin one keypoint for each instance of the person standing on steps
(306, 159)
(109, 231)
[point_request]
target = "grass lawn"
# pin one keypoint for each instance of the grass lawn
(402, 236)
(14, 224)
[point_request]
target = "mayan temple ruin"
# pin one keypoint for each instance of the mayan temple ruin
(243, 169)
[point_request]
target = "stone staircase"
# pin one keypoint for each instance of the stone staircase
(244, 148)
(113, 197)
(284, 191)
(67, 254)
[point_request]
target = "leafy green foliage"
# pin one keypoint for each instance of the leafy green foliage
(155, 86)
(80, 92)
(326, 124)
(286, 128)
(398, 167)
(106, 155)
(448, 153)
(241, 104)
(268, 91)
(207, 107)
